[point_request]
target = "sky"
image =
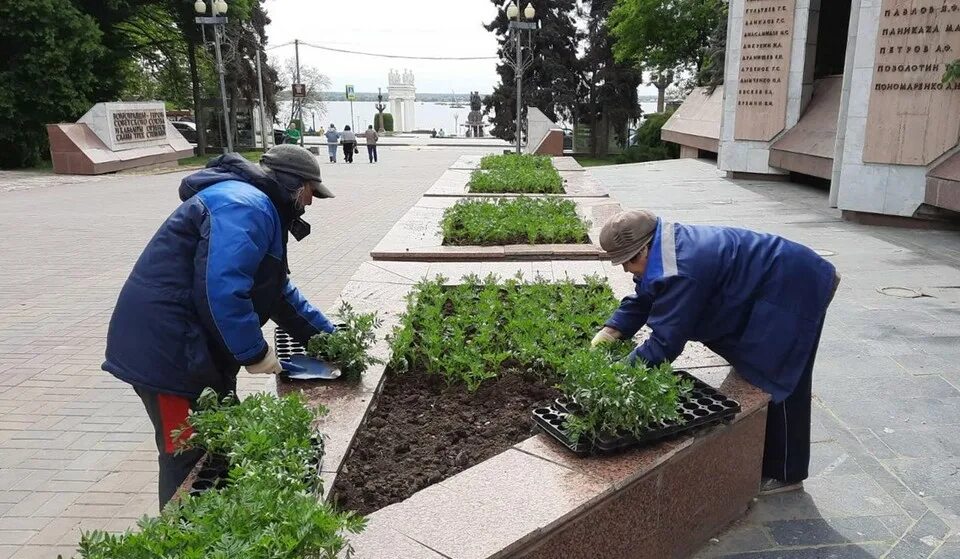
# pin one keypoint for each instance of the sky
(401, 27)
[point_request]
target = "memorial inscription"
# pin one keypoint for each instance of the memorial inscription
(137, 126)
(764, 69)
(913, 117)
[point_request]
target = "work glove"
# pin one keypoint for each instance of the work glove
(606, 335)
(269, 365)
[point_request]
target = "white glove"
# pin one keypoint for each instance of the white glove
(606, 335)
(269, 365)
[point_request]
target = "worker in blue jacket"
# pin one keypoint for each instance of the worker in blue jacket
(190, 313)
(757, 300)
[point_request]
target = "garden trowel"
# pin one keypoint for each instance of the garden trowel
(302, 367)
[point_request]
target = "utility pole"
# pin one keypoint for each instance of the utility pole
(517, 62)
(519, 75)
(263, 118)
(223, 90)
(299, 104)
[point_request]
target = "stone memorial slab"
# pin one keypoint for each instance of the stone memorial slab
(914, 117)
(764, 69)
(128, 125)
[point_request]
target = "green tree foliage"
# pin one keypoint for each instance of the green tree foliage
(387, 122)
(551, 83)
(608, 87)
(647, 143)
(48, 73)
(665, 36)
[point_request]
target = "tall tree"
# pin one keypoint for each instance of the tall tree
(550, 84)
(48, 73)
(609, 87)
(314, 80)
(669, 37)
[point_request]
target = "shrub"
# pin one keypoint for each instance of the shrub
(473, 332)
(526, 180)
(616, 397)
(387, 122)
(516, 161)
(348, 347)
(647, 143)
(517, 221)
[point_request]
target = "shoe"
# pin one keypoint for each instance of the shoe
(770, 486)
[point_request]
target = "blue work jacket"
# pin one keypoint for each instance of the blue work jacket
(757, 300)
(190, 313)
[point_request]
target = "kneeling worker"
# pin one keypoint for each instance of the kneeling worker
(757, 300)
(189, 315)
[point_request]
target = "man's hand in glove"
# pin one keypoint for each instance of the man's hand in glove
(269, 365)
(606, 335)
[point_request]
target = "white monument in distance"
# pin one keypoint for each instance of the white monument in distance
(403, 94)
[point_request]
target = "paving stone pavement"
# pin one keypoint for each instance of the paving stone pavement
(886, 417)
(76, 447)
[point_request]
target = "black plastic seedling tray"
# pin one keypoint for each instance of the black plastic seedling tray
(703, 406)
(213, 473)
(286, 346)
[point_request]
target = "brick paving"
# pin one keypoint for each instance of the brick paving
(886, 415)
(76, 447)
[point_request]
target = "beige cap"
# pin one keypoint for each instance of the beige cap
(627, 233)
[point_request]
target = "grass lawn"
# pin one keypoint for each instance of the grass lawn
(202, 160)
(587, 161)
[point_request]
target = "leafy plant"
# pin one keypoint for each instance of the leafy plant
(267, 510)
(348, 347)
(524, 180)
(952, 73)
(518, 221)
(476, 331)
(615, 396)
(515, 161)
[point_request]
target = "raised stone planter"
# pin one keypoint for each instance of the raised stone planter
(535, 499)
(417, 236)
(454, 182)
(471, 162)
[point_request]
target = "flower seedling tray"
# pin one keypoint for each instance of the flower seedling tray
(286, 346)
(214, 469)
(703, 406)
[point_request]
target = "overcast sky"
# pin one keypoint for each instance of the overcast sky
(404, 27)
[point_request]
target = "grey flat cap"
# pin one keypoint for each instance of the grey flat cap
(297, 161)
(626, 234)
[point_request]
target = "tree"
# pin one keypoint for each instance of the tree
(551, 83)
(48, 73)
(669, 37)
(315, 81)
(609, 88)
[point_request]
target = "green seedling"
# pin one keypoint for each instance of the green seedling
(348, 347)
(515, 161)
(516, 221)
(516, 180)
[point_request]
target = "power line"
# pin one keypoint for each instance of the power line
(380, 55)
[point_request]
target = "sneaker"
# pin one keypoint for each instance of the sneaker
(770, 486)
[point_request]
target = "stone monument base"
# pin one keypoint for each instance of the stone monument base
(76, 150)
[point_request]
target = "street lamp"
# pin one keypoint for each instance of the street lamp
(519, 65)
(217, 7)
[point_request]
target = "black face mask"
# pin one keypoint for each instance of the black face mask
(299, 229)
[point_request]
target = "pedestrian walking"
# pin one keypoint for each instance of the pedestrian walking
(189, 316)
(333, 140)
(757, 300)
(349, 140)
(372, 137)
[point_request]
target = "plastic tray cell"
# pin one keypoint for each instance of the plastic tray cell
(285, 345)
(703, 406)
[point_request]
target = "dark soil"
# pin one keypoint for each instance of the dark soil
(423, 431)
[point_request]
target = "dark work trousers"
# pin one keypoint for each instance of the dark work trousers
(786, 450)
(348, 151)
(168, 412)
(372, 152)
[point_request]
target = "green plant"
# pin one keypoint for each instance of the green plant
(524, 180)
(518, 221)
(952, 73)
(616, 397)
(648, 144)
(348, 347)
(515, 161)
(476, 331)
(387, 122)
(267, 510)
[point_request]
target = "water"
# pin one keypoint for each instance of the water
(428, 115)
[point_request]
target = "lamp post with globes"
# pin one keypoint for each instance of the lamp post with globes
(217, 20)
(517, 61)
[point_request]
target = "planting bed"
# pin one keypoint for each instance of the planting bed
(513, 221)
(456, 182)
(418, 236)
(471, 162)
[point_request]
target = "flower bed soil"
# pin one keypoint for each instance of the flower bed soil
(424, 431)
